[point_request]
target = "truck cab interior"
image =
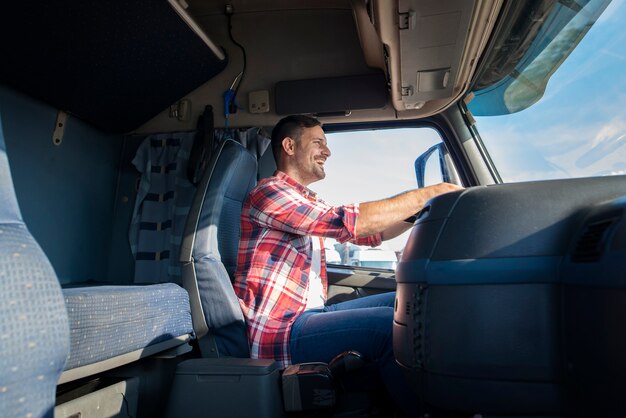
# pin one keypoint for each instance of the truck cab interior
(131, 133)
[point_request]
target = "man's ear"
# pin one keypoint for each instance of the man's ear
(288, 145)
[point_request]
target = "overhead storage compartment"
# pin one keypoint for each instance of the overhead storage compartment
(433, 35)
(336, 95)
(431, 49)
(114, 65)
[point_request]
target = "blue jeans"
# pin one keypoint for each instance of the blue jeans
(363, 325)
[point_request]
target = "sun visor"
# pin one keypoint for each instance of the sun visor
(113, 64)
(331, 95)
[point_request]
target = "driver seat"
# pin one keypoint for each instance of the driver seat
(209, 251)
(209, 258)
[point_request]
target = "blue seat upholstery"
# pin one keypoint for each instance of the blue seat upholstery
(109, 321)
(210, 245)
(34, 332)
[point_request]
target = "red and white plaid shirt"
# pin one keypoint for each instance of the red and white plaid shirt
(274, 261)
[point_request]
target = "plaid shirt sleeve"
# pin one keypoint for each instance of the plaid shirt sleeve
(370, 241)
(286, 210)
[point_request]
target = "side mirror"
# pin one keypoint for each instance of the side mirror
(433, 164)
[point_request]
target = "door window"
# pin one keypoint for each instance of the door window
(371, 165)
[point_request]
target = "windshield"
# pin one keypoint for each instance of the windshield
(577, 127)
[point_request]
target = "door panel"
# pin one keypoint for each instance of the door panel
(346, 283)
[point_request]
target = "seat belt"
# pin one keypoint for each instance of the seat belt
(203, 145)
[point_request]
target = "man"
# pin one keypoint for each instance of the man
(281, 268)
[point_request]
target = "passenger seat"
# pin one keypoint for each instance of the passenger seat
(116, 325)
(52, 335)
(34, 336)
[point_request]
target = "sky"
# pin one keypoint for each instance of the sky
(577, 129)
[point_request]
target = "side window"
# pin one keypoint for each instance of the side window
(372, 165)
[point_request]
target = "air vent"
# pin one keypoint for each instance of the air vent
(591, 243)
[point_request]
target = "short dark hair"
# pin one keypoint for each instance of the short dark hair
(290, 126)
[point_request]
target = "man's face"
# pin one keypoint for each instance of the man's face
(311, 152)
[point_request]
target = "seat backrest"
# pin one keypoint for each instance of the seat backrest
(210, 245)
(34, 330)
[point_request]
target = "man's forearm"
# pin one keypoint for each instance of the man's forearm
(381, 215)
(395, 230)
